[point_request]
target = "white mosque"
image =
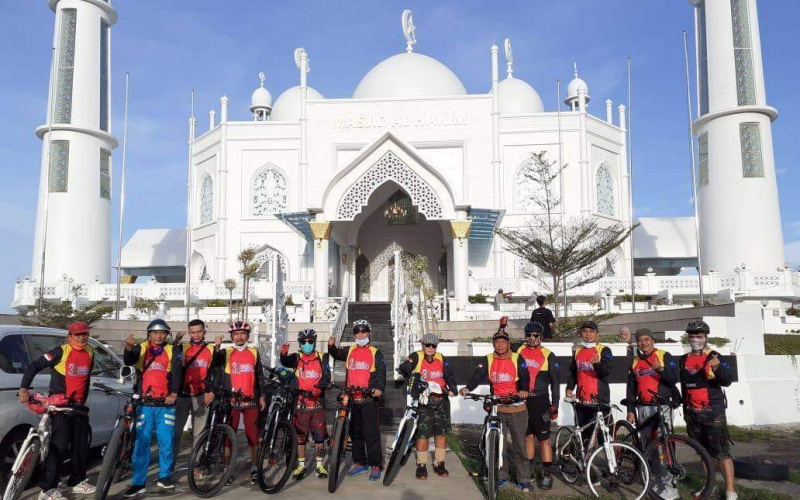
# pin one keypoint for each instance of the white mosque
(329, 189)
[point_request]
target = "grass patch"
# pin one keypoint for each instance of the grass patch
(782, 344)
(755, 494)
(794, 476)
(746, 435)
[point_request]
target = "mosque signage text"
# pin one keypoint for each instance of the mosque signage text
(399, 120)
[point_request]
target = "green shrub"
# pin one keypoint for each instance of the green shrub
(782, 344)
(793, 311)
(289, 301)
(216, 303)
(627, 298)
(570, 326)
(477, 299)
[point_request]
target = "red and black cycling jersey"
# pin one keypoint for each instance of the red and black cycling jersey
(70, 374)
(438, 370)
(506, 375)
(365, 366)
(643, 378)
(543, 372)
(702, 386)
(242, 371)
(197, 376)
(312, 374)
(157, 369)
(591, 378)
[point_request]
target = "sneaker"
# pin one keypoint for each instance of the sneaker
(526, 487)
(502, 482)
(545, 480)
(440, 470)
(321, 471)
(422, 471)
(82, 488)
(357, 470)
(165, 483)
(135, 489)
(253, 476)
(52, 494)
(230, 480)
(731, 495)
(299, 472)
(375, 474)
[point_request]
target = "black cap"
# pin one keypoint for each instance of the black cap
(500, 334)
(644, 332)
(589, 324)
(534, 326)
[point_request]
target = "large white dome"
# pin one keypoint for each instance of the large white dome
(287, 106)
(409, 75)
(517, 97)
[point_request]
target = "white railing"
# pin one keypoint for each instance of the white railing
(404, 326)
(278, 317)
(337, 329)
(327, 309)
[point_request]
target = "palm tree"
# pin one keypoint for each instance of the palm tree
(248, 271)
(230, 285)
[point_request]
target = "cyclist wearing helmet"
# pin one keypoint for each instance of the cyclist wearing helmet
(543, 398)
(434, 417)
(71, 368)
(703, 375)
(158, 381)
(365, 368)
(242, 373)
(312, 375)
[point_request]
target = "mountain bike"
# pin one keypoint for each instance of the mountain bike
(491, 446)
(214, 454)
(119, 450)
(341, 426)
(277, 456)
(678, 464)
(404, 437)
(609, 467)
(34, 450)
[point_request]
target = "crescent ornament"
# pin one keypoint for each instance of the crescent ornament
(409, 30)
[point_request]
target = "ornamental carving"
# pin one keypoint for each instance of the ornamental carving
(207, 200)
(605, 190)
(460, 228)
(390, 168)
(264, 258)
(270, 191)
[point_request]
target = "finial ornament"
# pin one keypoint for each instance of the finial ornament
(509, 59)
(575, 69)
(409, 30)
(262, 77)
(298, 54)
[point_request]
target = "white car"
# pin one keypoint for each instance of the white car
(19, 346)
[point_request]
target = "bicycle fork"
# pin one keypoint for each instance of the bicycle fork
(610, 455)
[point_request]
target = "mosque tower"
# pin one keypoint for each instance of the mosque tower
(740, 222)
(73, 219)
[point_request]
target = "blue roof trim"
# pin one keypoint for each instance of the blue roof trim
(484, 221)
(299, 221)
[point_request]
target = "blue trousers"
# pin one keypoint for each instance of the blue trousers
(160, 419)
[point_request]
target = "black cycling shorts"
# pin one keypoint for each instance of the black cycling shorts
(538, 406)
(711, 431)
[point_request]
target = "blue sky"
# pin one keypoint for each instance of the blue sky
(219, 47)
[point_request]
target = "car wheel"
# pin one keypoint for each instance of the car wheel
(9, 449)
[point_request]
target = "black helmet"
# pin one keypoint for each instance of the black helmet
(306, 334)
(158, 325)
(361, 325)
(534, 326)
(698, 326)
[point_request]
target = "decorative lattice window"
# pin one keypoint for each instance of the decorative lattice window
(752, 161)
(743, 53)
(104, 31)
(59, 166)
(390, 168)
(610, 271)
(105, 174)
(66, 66)
(206, 200)
(265, 258)
(703, 156)
(605, 190)
(270, 192)
(702, 60)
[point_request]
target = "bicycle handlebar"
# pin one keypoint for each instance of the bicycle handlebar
(111, 390)
(349, 390)
(491, 399)
(596, 402)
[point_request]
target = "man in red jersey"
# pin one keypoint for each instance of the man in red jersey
(242, 373)
(312, 375)
(543, 398)
(71, 368)
(703, 375)
(365, 369)
(589, 371)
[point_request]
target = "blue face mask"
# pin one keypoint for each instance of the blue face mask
(307, 348)
(362, 342)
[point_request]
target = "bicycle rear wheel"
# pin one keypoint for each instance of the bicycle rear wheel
(397, 454)
(112, 463)
(277, 457)
(212, 460)
(338, 451)
(629, 479)
(680, 468)
(567, 455)
(27, 460)
(492, 463)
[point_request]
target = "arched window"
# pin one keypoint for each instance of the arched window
(270, 192)
(605, 190)
(207, 200)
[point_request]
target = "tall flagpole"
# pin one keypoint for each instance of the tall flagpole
(189, 213)
(694, 168)
(630, 183)
(561, 179)
(122, 199)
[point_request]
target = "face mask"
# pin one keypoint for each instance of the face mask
(588, 345)
(362, 342)
(240, 348)
(156, 350)
(697, 344)
(73, 343)
(307, 348)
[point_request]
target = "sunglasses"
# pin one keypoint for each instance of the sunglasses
(303, 342)
(430, 345)
(534, 335)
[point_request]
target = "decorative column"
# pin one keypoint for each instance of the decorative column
(321, 230)
(347, 256)
(609, 112)
(302, 58)
(460, 231)
(212, 119)
(496, 173)
(584, 152)
(222, 193)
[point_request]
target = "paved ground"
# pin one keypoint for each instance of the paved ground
(405, 487)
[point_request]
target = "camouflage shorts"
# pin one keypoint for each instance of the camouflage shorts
(434, 418)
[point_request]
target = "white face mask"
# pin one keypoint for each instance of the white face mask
(240, 348)
(697, 345)
(362, 342)
(588, 345)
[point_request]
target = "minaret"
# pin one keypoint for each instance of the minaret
(74, 208)
(740, 221)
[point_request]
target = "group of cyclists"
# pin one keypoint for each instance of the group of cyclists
(176, 379)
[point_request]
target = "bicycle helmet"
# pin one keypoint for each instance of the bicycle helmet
(361, 325)
(534, 326)
(239, 326)
(430, 338)
(158, 325)
(698, 326)
(306, 334)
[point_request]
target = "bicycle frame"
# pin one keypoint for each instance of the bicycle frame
(281, 407)
(490, 423)
(411, 415)
(597, 423)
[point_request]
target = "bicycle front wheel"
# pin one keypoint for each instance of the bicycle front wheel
(567, 456)
(623, 473)
(397, 453)
(492, 462)
(112, 463)
(624, 432)
(277, 457)
(212, 461)
(338, 451)
(27, 461)
(680, 468)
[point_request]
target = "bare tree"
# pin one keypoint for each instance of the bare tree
(248, 271)
(230, 285)
(568, 250)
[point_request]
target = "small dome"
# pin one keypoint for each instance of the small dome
(261, 99)
(409, 75)
(287, 106)
(517, 97)
(572, 88)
